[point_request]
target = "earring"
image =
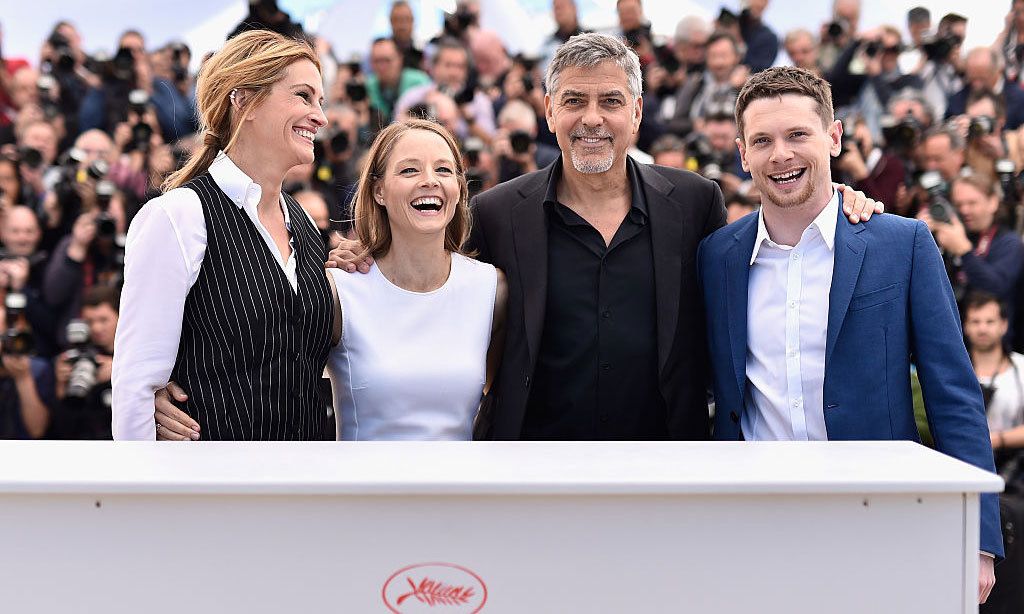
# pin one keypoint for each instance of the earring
(232, 95)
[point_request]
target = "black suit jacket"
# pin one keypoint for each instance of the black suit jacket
(510, 231)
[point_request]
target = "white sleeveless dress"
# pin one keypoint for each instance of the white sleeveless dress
(412, 365)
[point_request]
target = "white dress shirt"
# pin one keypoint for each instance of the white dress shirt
(787, 324)
(163, 255)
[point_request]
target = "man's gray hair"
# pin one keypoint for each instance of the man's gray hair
(587, 51)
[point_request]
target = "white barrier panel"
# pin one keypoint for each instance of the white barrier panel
(494, 527)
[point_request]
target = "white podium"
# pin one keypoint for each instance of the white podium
(493, 527)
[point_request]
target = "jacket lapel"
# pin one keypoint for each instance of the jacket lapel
(530, 237)
(666, 223)
(849, 256)
(737, 275)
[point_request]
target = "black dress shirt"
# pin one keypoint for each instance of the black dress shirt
(597, 370)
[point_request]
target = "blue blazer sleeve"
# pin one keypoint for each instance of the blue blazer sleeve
(952, 396)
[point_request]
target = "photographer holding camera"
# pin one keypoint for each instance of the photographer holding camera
(941, 69)
(866, 166)
(26, 381)
(867, 73)
(989, 144)
(22, 269)
(983, 71)
(516, 144)
(451, 75)
(128, 84)
(83, 371)
(980, 252)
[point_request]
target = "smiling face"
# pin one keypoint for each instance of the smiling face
(593, 116)
(786, 149)
(419, 187)
(286, 122)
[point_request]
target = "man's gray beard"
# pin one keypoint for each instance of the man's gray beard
(588, 167)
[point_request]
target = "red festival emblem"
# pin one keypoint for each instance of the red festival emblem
(434, 587)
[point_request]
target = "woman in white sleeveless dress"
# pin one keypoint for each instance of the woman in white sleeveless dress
(413, 356)
(416, 341)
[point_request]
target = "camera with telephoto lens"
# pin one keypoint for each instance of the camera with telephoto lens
(520, 140)
(17, 341)
(939, 207)
(179, 68)
(710, 164)
(105, 226)
(82, 358)
(63, 60)
(901, 134)
(1009, 183)
(836, 29)
(980, 126)
(45, 86)
(938, 47)
(64, 188)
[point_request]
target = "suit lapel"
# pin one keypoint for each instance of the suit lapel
(530, 237)
(849, 256)
(666, 223)
(737, 275)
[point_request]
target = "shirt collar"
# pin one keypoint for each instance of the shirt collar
(825, 224)
(238, 186)
(632, 175)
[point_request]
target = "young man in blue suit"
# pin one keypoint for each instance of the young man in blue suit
(813, 321)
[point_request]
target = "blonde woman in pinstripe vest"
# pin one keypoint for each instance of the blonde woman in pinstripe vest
(224, 289)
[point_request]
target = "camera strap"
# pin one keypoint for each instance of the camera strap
(985, 242)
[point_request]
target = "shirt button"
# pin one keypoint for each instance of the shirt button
(797, 403)
(604, 417)
(792, 304)
(607, 314)
(796, 256)
(605, 366)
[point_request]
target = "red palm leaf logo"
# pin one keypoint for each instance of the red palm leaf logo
(434, 587)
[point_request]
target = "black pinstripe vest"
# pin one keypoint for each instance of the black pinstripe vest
(252, 351)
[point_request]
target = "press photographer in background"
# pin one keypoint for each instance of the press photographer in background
(92, 253)
(82, 372)
(453, 76)
(980, 253)
(515, 144)
(865, 166)
(989, 144)
(128, 84)
(22, 267)
(26, 381)
(942, 69)
(983, 72)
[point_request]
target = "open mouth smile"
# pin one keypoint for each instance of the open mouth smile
(788, 177)
(427, 204)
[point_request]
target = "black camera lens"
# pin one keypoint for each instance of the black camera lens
(30, 157)
(141, 133)
(520, 141)
(835, 29)
(340, 142)
(872, 48)
(355, 91)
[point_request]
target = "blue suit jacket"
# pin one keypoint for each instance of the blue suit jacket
(890, 302)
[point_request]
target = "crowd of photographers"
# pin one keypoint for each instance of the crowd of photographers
(930, 128)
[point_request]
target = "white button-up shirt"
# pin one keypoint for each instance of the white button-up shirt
(163, 255)
(787, 324)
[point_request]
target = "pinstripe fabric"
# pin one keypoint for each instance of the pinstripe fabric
(252, 350)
